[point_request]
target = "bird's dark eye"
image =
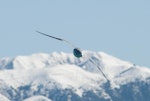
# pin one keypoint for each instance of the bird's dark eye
(77, 53)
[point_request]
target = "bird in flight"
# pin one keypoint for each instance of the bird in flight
(76, 52)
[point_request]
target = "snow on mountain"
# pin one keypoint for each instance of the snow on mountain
(37, 98)
(3, 98)
(62, 77)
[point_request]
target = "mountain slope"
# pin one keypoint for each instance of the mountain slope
(3, 98)
(62, 77)
(37, 98)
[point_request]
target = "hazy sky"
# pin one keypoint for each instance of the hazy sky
(118, 27)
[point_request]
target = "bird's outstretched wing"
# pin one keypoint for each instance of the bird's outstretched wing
(60, 39)
(50, 36)
(99, 68)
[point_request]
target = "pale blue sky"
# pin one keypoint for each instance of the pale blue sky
(118, 27)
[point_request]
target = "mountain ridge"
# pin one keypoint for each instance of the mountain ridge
(64, 75)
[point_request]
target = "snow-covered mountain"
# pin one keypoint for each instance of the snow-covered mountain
(62, 77)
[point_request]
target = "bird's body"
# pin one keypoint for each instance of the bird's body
(77, 52)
